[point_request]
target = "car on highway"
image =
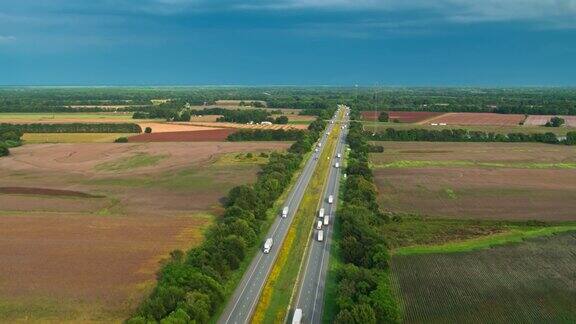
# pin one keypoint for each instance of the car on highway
(330, 199)
(320, 235)
(326, 220)
(339, 155)
(268, 245)
(319, 225)
(321, 213)
(285, 212)
(336, 165)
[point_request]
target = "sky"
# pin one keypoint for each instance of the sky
(288, 42)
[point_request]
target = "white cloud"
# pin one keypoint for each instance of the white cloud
(6, 39)
(457, 11)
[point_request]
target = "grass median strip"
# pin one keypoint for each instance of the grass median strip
(273, 302)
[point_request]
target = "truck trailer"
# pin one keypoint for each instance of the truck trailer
(321, 213)
(268, 245)
(297, 318)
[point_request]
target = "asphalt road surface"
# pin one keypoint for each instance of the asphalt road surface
(241, 305)
(310, 296)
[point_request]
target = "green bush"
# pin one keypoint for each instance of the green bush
(363, 291)
(4, 151)
(121, 140)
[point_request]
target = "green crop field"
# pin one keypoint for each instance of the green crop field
(529, 282)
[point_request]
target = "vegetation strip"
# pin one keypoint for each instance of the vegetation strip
(363, 280)
(464, 135)
(74, 128)
(191, 285)
(272, 304)
(402, 164)
(513, 236)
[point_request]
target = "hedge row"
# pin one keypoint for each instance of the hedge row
(464, 135)
(75, 128)
(363, 284)
(266, 135)
(190, 285)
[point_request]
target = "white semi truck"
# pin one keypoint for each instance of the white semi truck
(320, 235)
(297, 318)
(321, 213)
(268, 245)
(326, 220)
(285, 212)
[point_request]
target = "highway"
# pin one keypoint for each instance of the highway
(310, 295)
(241, 305)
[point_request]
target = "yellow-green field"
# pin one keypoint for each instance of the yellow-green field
(39, 138)
(64, 117)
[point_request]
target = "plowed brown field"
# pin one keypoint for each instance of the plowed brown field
(402, 116)
(477, 119)
(478, 180)
(68, 257)
(541, 120)
(212, 135)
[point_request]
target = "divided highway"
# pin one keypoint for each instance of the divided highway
(310, 297)
(241, 305)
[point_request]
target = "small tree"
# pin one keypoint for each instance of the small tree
(281, 120)
(571, 138)
(4, 150)
(555, 122)
(148, 130)
(383, 117)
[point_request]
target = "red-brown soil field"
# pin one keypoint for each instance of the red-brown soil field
(478, 119)
(541, 120)
(477, 180)
(402, 116)
(212, 135)
(66, 257)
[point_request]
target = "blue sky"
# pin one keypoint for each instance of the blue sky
(288, 42)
